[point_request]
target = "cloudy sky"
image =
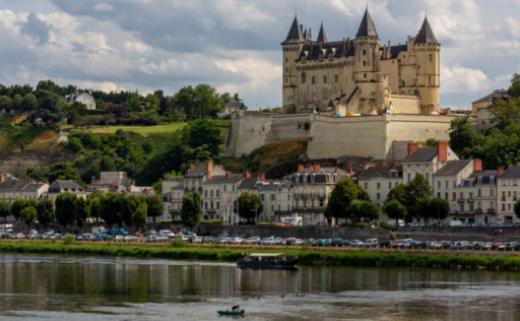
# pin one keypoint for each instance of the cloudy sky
(235, 44)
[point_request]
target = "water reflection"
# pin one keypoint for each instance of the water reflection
(50, 287)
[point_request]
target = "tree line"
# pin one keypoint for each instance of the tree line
(72, 211)
(46, 103)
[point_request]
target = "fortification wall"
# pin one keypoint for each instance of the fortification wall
(329, 137)
(288, 127)
(352, 136)
(247, 133)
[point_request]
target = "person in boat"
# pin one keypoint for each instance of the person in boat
(235, 308)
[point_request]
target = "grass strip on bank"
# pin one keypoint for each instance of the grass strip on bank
(310, 257)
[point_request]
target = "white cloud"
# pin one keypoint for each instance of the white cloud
(458, 79)
(513, 26)
(103, 7)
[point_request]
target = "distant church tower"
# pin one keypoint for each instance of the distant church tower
(291, 47)
(366, 66)
(427, 49)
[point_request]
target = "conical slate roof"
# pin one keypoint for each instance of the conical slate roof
(322, 37)
(295, 33)
(367, 27)
(426, 35)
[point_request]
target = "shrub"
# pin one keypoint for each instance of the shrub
(179, 242)
(69, 239)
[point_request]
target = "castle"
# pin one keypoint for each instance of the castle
(360, 76)
(352, 97)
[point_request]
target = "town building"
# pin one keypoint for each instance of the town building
(482, 109)
(65, 186)
(426, 160)
(508, 192)
(219, 195)
(312, 187)
(378, 179)
(232, 106)
(12, 188)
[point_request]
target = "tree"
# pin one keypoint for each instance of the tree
(462, 134)
(139, 216)
(205, 134)
(207, 100)
(94, 200)
(5, 103)
(342, 195)
(17, 102)
(398, 193)
(29, 102)
(28, 214)
(44, 212)
(5, 209)
(191, 209)
(438, 209)
(249, 207)
(66, 204)
(81, 212)
(18, 206)
(155, 206)
(417, 190)
(506, 114)
(395, 210)
(517, 209)
(514, 89)
(363, 210)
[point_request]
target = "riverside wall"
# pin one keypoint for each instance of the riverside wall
(418, 233)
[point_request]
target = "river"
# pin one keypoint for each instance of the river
(46, 287)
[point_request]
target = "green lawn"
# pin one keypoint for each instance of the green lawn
(150, 130)
(142, 130)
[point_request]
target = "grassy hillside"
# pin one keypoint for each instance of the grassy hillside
(276, 160)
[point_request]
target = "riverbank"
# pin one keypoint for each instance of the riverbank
(311, 256)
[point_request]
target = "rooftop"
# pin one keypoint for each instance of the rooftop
(453, 167)
(511, 172)
(423, 154)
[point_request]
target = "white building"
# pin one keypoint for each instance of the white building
(508, 193)
(84, 98)
(379, 179)
(426, 160)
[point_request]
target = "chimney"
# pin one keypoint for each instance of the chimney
(209, 168)
(500, 171)
(301, 168)
(192, 168)
(262, 177)
(246, 174)
(412, 147)
(442, 152)
(477, 165)
(384, 164)
(349, 169)
(317, 168)
(226, 175)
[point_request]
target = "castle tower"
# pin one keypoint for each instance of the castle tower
(428, 49)
(366, 66)
(322, 37)
(291, 49)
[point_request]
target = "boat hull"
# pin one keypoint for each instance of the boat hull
(229, 313)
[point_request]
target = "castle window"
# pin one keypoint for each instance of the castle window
(364, 63)
(286, 59)
(324, 79)
(313, 80)
(336, 78)
(364, 52)
(430, 58)
(365, 75)
(303, 77)
(430, 80)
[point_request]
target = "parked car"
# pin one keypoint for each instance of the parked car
(371, 243)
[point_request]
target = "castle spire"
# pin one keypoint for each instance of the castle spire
(425, 34)
(295, 32)
(367, 27)
(322, 37)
